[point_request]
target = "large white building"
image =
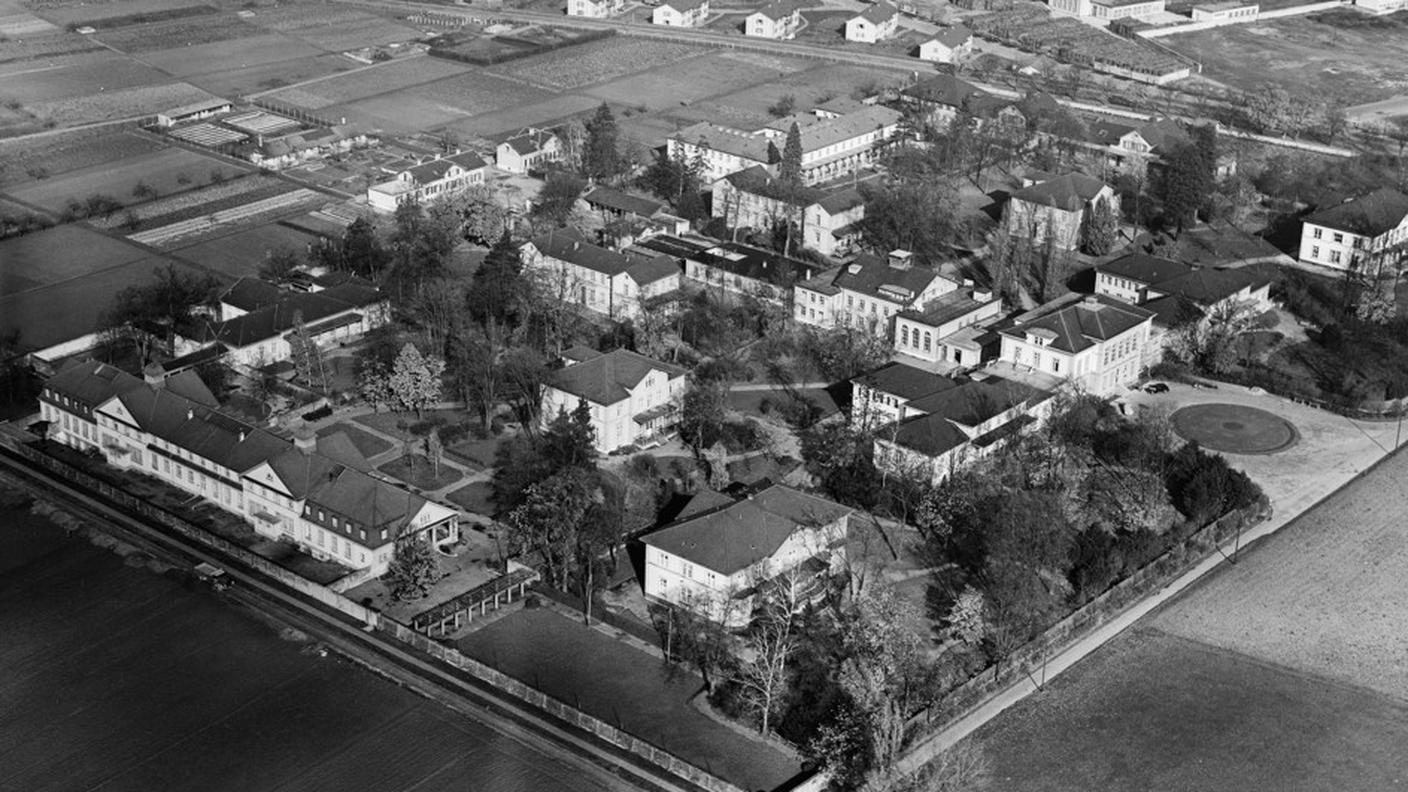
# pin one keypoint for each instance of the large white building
(428, 181)
(1367, 231)
(868, 293)
(717, 560)
(528, 150)
(941, 332)
(681, 13)
(732, 267)
(827, 216)
(1054, 210)
(876, 23)
(315, 494)
(567, 267)
(633, 399)
(597, 9)
(1096, 343)
(779, 19)
(947, 46)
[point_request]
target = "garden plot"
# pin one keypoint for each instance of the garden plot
(240, 254)
(178, 33)
(270, 76)
(42, 46)
(597, 61)
(175, 234)
(384, 78)
(226, 56)
(54, 83)
(813, 86)
(78, 12)
(58, 254)
(164, 171)
(193, 203)
(353, 34)
(58, 153)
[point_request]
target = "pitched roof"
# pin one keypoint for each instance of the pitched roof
(743, 260)
(1143, 268)
(207, 433)
(619, 201)
(873, 276)
(778, 9)
(944, 89)
(684, 6)
(906, 382)
(1173, 310)
(878, 13)
(842, 200)
(1069, 192)
(249, 294)
(972, 403)
(953, 37)
(946, 308)
(282, 314)
(1077, 322)
(609, 378)
(1368, 215)
(568, 244)
(1209, 286)
(189, 384)
(649, 269)
(91, 382)
(529, 142)
(929, 434)
(733, 538)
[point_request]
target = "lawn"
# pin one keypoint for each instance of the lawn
(473, 497)
(240, 254)
(189, 32)
(749, 106)
(383, 78)
(417, 471)
(479, 453)
(1234, 428)
(369, 444)
(161, 170)
(58, 254)
(407, 426)
(267, 76)
(626, 687)
(446, 101)
(597, 61)
(684, 82)
(67, 151)
(225, 56)
(110, 73)
(511, 119)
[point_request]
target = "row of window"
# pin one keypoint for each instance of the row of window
(905, 337)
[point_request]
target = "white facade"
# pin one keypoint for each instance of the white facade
(1226, 12)
(1330, 247)
(929, 340)
(1125, 10)
(773, 24)
(424, 183)
(1101, 366)
(686, 15)
(599, 9)
(866, 29)
(602, 284)
(647, 410)
(941, 52)
(525, 152)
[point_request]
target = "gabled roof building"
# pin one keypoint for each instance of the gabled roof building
(633, 399)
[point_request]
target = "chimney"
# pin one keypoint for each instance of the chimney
(982, 295)
(900, 259)
(305, 441)
(154, 375)
(242, 435)
(190, 414)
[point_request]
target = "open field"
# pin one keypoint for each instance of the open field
(178, 33)
(78, 12)
(65, 152)
(443, 102)
(162, 170)
(808, 87)
(126, 680)
(684, 82)
(596, 61)
(138, 101)
(231, 55)
(267, 76)
(380, 79)
(111, 72)
(33, 49)
(339, 30)
(619, 684)
(195, 203)
(511, 119)
(59, 254)
(1307, 56)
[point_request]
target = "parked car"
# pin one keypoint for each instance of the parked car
(1156, 387)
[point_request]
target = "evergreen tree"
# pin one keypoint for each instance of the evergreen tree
(790, 169)
(1187, 185)
(413, 571)
(495, 286)
(1101, 229)
(602, 159)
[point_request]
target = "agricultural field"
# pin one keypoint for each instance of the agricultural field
(231, 55)
(270, 76)
(177, 33)
(60, 153)
(163, 171)
(369, 82)
(749, 107)
(337, 30)
(42, 46)
(1344, 54)
(685, 82)
(1282, 672)
(47, 83)
(83, 12)
(597, 61)
(196, 202)
(513, 118)
(59, 254)
(241, 253)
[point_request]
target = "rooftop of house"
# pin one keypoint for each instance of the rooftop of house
(1161, 134)
(780, 9)
(251, 294)
(949, 307)
(953, 37)
(755, 263)
(732, 538)
(816, 132)
(684, 6)
(1069, 192)
(529, 142)
(569, 245)
(906, 382)
(972, 403)
(652, 268)
(283, 313)
(1122, 3)
(944, 89)
(879, 13)
(1222, 244)
(90, 382)
(617, 201)
(610, 377)
(1173, 310)
(1076, 322)
(1368, 215)
(877, 276)
(1144, 268)
(1210, 286)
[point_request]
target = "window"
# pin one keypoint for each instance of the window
(1055, 365)
(1334, 257)
(904, 336)
(1315, 251)
(1339, 237)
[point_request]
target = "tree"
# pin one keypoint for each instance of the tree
(141, 312)
(1334, 120)
(1101, 230)
(434, 450)
(471, 362)
(415, 379)
(962, 768)
(918, 217)
(840, 457)
(703, 412)
(602, 158)
(362, 252)
(496, 286)
(280, 265)
(1188, 185)
(1268, 109)
(771, 640)
(789, 171)
(374, 384)
(549, 518)
(142, 191)
(485, 217)
(557, 200)
(1123, 500)
(413, 571)
(570, 440)
(1028, 555)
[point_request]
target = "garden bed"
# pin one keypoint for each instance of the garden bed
(418, 472)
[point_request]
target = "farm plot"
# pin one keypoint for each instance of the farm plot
(750, 106)
(230, 55)
(1317, 56)
(515, 118)
(352, 34)
(59, 254)
(22, 160)
(197, 202)
(164, 171)
(179, 33)
(269, 76)
(142, 100)
(366, 83)
(111, 73)
(683, 82)
(79, 12)
(40, 46)
(597, 61)
(219, 222)
(241, 253)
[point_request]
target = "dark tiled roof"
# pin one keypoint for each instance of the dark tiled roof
(745, 260)
(878, 13)
(609, 378)
(841, 200)
(569, 245)
(1070, 192)
(279, 316)
(1145, 269)
(1370, 215)
(684, 6)
(366, 501)
(875, 277)
(1173, 310)
(952, 37)
(578, 352)
(529, 142)
(944, 89)
(906, 382)
(1076, 322)
(617, 201)
(734, 537)
(90, 382)
(206, 433)
(974, 402)
(649, 269)
(929, 434)
(189, 384)
(946, 308)
(778, 9)
(251, 294)
(1209, 286)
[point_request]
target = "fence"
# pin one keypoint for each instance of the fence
(1028, 660)
(536, 698)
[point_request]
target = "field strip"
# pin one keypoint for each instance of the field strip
(326, 77)
(157, 237)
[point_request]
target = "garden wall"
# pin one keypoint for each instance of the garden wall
(1027, 660)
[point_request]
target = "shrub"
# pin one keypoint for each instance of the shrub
(1268, 320)
(765, 405)
(318, 414)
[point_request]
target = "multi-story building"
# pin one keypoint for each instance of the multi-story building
(935, 333)
(940, 98)
(1226, 12)
(832, 145)
(1366, 233)
(529, 150)
(868, 293)
(827, 216)
(779, 19)
(883, 396)
(681, 13)
(718, 561)
(598, 9)
(428, 181)
(633, 399)
(567, 267)
(1109, 9)
(732, 267)
(1096, 343)
(1053, 211)
(950, 45)
(876, 23)
(317, 495)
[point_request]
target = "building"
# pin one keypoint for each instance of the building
(732, 267)
(1226, 12)
(1096, 343)
(882, 396)
(1109, 9)
(197, 111)
(1139, 147)
(940, 98)
(633, 399)
(598, 9)
(827, 216)
(258, 320)
(832, 145)
(1365, 232)
(935, 333)
(716, 562)
(876, 23)
(616, 285)
(949, 46)
(316, 494)
(1053, 211)
(296, 148)
(956, 425)
(868, 293)
(528, 150)
(428, 181)
(681, 13)
(616, 205)
(1381, 7)
(779, 19)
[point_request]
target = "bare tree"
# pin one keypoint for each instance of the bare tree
(768, 647)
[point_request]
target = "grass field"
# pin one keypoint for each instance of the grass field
(241, 253)
(619, 684)
(268, 76)
(59, 254)
(110, 72)
(369, 444)
(69, 151)
(77, 12)
(230, 55)
(517, 117)
(447, 101)
(1283, 672)
(162, 170)
(1306, 56)
(126, 680)
(393, 76)
(178, 33)
(686, 81)
(596, 62)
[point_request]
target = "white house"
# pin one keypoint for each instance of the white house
(876, 23)
(1380, 7)
(428, 181)
(948, 46)
(1109, 9)
(882, 396)
(1054, 211)
(932, 333)
(315, 494)
(680, 13)
(1364, 231)
(527, 151)
(193, 112)
(868, 293)
(1095, 342)
(633, 399)
(717, 562)
(779, 19)
(570, 269)
(1226, 12)
(599, 9)
(827, 215)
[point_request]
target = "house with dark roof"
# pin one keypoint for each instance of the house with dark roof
(566, 266)
(314, 492)
(614, 204)
(680, 13)
(941, 98)
(939, 433)
(1365, 231)
(633, 399)
(718, 560)
(427, 181)
(882, 396)
(869, 292)
(528, 150)
(1137, 147)
(949, 45)
(931, 333)
(1096, 343)
(733, 267)
(1054, 210)
(828, 215)
(876, 23)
